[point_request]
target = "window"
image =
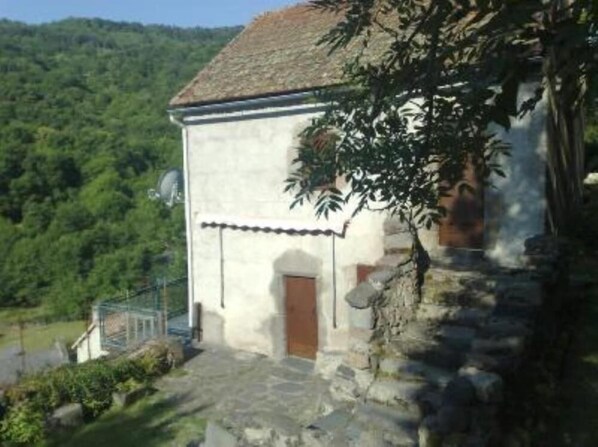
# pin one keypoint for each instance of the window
(363, 271)
(317, 153)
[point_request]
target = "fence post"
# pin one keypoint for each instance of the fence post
(128, 318)
(89, 322)
(165, 308)
(198, 328)
(22, 345)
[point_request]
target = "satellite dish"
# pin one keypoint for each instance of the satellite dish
(169, 189)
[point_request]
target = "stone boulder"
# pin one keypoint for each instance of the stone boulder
(67, 416)
(591, 179)
(217, 436)
(489, 386)
(454, 419)
(459, 391)
(429, 433)
(169, 350)
(363, 296)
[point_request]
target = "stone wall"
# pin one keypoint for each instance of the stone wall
(432, 346)
(381, 306)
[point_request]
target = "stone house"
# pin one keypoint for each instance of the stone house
(273, 280)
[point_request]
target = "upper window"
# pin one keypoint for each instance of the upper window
(318, 152)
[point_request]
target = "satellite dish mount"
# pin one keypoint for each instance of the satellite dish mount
(169, 189)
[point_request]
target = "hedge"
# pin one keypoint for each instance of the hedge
(28, 403)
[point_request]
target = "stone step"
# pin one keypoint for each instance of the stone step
(392, 261)
(502, 346)
(459, 259)
(518, 298)
(501, 363)
(404, 368)
(463, 316)
(520, 291)
(457, 288)
(432, 352)
(460, 298)
(515, 309)
(453, 336)
(458, 278)
(497, 327)
(335, 421)
(397, 427)
(398, 393)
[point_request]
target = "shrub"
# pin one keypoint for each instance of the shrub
(91, 384)
(24, 424)
(128, 385)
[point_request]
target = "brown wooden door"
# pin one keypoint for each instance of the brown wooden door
(363, 271)
(463, 227)
(301, 317)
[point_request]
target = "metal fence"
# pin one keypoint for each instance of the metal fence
(128, 320)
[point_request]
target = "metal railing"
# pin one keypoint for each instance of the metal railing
(132, 318)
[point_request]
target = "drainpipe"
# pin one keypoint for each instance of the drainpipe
(334, 299)
(188, 226)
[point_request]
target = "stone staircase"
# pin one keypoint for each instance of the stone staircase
(427, 352)
(439, 378)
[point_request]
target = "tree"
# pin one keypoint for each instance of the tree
(82, 138)
(410, 121)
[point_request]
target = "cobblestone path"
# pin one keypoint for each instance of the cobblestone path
(241, 390)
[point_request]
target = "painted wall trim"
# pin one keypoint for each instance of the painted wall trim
(337, 226)
(188, 214)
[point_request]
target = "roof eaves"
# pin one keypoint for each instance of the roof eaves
(287, 97)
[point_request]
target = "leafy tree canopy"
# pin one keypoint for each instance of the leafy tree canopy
(410, 121)
(83, 135)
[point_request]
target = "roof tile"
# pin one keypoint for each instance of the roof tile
(277, 53)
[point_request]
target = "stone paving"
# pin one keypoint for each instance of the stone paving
(247, 392)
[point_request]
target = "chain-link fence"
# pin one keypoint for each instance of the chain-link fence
(130, 319)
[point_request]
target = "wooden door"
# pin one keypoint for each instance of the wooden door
(463, 227)
(301, 317)
(363, 271)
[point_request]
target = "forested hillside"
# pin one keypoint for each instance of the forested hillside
(83, 134)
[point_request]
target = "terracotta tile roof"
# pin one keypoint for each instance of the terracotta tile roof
(276, 53)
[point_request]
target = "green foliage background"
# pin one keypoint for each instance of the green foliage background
(83, 135)
(591, 136)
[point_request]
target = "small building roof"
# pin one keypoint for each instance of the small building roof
(277, 53)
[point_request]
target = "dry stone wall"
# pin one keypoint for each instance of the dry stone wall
(430, 348)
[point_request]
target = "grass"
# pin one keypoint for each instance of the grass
(36, 335)
(178, 372)
(11, 315)
(40, 337)
(151, 422)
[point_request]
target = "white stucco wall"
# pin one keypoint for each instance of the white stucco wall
(515, 205)
(237, 168)
(516, 208)
(89, 346)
